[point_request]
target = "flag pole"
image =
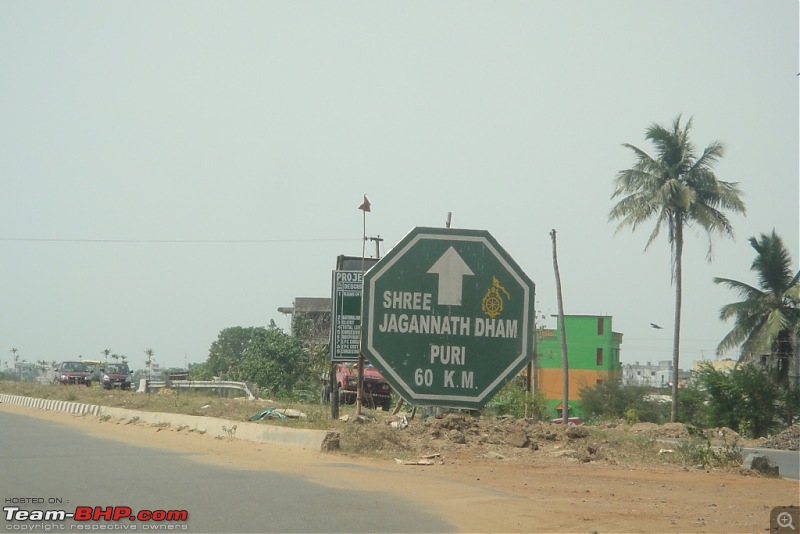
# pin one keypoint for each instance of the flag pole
(364, 207)
(363, 239)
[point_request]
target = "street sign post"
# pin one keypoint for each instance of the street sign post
(346, 315)
(346, 283)
(447, 317)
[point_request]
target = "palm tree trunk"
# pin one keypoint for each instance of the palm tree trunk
(676, 340)
(784, 354)
(563, 336)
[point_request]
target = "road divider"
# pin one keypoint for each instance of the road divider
(322, 440)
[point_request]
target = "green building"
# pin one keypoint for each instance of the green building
(593, 352)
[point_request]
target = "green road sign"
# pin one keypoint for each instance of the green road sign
(346, 315)
(447, 317)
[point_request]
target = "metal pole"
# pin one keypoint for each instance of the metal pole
(360, 389)
(333, 390)
(563, 336)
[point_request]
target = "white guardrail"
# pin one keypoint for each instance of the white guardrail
(149, 385)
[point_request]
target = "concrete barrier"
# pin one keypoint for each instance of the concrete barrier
(76, 408)
(323, 440)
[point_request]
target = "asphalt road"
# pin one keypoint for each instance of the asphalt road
(788, 462)
(67, 469)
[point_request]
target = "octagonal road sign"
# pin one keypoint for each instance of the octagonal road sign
(447, 317)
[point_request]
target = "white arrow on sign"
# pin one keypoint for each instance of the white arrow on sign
(451, 270)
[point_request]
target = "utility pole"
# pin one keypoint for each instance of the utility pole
(361, 362)
(378, 240)
(563, 335)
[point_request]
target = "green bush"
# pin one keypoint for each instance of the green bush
(630, 416)
(513, 399)
(698, 451)
(744, 399)
(611, 400)
(692, 408)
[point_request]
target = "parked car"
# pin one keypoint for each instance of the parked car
(571, 421)
(74, 372)
(116, 375)
(377, 391)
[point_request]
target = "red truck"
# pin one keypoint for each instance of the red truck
(377, 392)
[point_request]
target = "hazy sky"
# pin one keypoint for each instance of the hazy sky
(171, 169)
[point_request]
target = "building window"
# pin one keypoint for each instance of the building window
(599, 326)
(599, 356)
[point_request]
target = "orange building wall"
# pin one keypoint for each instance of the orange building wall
(551, 382)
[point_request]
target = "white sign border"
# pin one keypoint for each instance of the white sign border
(371, 313)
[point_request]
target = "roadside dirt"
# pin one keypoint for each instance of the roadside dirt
(490, 483)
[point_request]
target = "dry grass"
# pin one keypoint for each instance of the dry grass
(372, 436)
(172, 401)
(205, 403)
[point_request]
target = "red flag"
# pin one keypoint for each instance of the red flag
(365, 205)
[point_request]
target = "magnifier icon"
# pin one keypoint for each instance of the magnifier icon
(784, 520)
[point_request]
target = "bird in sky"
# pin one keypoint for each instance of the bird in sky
(654, 325)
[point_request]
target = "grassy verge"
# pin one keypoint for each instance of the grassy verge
(361, 439)
(203, 403)
(377, 439)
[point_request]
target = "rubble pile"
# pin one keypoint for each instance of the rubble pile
(789, 439)
(463, 429)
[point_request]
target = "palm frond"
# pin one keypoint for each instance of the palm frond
(742, 329)
(772, 263)
(769, 313)
(662, 217)
(746, 291)
(730, 196)
(710, 156)
(793, 294)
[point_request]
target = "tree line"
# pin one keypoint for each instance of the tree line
(678, 189)
(277, 361)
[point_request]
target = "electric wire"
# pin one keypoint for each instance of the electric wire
(175, 241)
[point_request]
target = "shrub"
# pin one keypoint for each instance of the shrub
(700, 452)
(611, 400)
(513, 399)
(744, 399)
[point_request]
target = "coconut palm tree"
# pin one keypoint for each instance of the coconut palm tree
(149, 361)
(14, 351)
(767, 318)
(677, 188)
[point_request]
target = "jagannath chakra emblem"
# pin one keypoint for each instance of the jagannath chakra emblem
(492, 303)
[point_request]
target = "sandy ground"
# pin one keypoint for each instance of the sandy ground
(496, 495)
